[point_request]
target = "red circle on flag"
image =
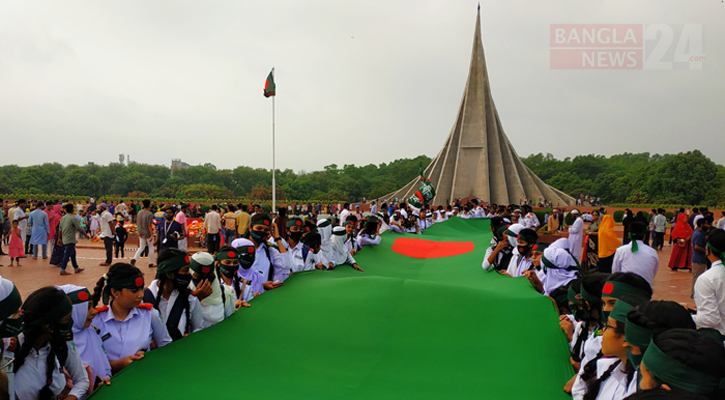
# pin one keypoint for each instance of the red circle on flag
(139, 282)
(82, 296)
(204, 270)
(231, 254)
(608, 288)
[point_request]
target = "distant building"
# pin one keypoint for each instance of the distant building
(176, 163)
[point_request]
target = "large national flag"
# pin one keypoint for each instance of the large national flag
(423, 322)
(269, 86)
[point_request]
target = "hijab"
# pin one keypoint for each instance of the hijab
(338, 244)
(608, 240)
(682, 228)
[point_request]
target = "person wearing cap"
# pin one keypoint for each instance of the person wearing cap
(217, 301)
(169, 294)
(683, 362)
(521, 261)
(576, 232)
(341, 255)
(324, 228)
(297, 251)
(228, 261)
(108, 228)
(636, 256)
(710, 286)
(357, 213)
(126, 325)
(47, 316)
(270, 262)
(86, 339)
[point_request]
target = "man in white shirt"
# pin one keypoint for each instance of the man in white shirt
(721, 221)
(636, 256)
(344, 213)
(710, 286)
(108, 232)
(374, 208)
(22, 218)
(576, 231)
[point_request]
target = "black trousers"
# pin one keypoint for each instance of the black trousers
(212, 242)
(119, 246)
(108, 243)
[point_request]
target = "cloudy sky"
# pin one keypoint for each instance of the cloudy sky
(358, 82)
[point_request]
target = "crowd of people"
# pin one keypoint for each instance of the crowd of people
(622, 343)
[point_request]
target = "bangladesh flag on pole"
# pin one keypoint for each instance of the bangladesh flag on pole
(269, 86)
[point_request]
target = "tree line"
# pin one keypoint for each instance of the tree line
(206, 181)
(689, 178)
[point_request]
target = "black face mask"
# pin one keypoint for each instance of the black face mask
(228, 270)
(524, 250)
(63, 331)
(12, 327)
(182, 280)
(296, 236)
(259, 237)
(197, 281)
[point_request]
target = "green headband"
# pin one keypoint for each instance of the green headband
(127, 283)
(620, 311)
(571, 295)
(529, 238)
(633, 237)
(716, 251)
(674, 373)
(324, 223)
(227, 255)
(619, 289)
(260, 220)
(540, 247)
(10, 304)
(173, 264)
(56, 313)
(199, 268)
(590, 297)
(339, 233)
(79, 296)
(349, 223)
(294, 222)
(637, 335)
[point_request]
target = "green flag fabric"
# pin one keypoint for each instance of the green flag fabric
(423, 195)
(269, 86)
(406, 328)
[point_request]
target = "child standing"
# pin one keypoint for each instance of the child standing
(16, 249)
(121, 236)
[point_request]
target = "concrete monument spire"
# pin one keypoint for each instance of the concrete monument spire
(477, 158)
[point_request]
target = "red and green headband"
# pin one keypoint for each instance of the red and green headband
(294, 222)
(618, 289)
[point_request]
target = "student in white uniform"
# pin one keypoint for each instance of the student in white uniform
(271, 262)
(125, 324)
(370, 236)
(648, 319)
(86, 339)
(615, 373)
(315, 258)
(229, 262)
(396, 222)
(169, 294)
(297, 251)
(555, 266)
(48, 322)
(499, 253)
(324, 228)
(217, 301)
(623, 284)
(636, 256)
(11, 322)
(521, 261)
(686, 362)
(351, 238)
(339, 250)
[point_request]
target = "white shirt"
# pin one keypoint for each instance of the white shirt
(616, 386)
(363, 239)
(343, 216)
(721, 223)
(297, 260)
(106, 231)
(374, 209)
(518, 265)
(124, 338)
(20, 213)
(710, 298)
(165, 306)
(31, 377)
(592, 346)
(645, 262)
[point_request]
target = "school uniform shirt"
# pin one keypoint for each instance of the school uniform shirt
(645, 262)
(486, 265)
(396, 229)
(422, 224)
(125, 338)
(218, 306)
(518, 265)
(531, 221)
(32, 375)
(262, 265)
(616, 386)
(592, 347)
(363, 239)
(92, 352)
(324, 228)
(479, 213)
(195, 315)
(351, 243)
(297, 259)
(710, 298)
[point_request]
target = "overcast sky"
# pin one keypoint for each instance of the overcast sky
(357, 81)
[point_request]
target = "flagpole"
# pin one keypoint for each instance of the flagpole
(274, 182)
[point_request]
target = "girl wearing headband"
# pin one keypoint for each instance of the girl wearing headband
(227, 263)
(126, 325)
(170, 295)
(44, 351)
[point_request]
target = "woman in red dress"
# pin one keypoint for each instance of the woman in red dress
(681, 256)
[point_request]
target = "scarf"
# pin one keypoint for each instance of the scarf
(608, 240)
(682, 228)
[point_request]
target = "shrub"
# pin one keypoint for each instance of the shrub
(618, 215)
(267, 208)
(205, 208)
(540, 215)
(569, 219)
(669, 215)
